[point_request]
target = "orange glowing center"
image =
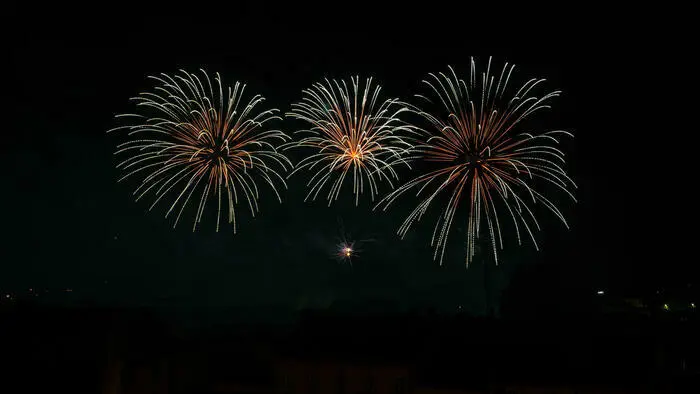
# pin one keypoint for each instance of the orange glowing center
(354, 151)
(348, 251)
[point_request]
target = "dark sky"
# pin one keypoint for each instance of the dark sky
(69, 224)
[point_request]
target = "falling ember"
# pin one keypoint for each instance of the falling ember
(483, 161)
(351, 133)
(188, 138)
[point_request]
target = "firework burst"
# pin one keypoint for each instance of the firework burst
(483, 160)
(351, 132)
(189, 138)
(346, 251)
(347, 248)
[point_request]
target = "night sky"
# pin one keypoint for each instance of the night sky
(69, 224)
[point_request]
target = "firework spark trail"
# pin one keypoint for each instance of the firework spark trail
(483, 161)
(366, 138)
(188, 136)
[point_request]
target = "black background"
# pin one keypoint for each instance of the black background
(68, 224)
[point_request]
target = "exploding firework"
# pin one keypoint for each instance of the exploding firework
(351, 133)
(346, 251)
(190, 138)
(483, 160)
(348, 248)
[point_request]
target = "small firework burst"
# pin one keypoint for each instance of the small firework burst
(346, 251)
(352, 133)
(483, 160)
(347, 248)
(189, 138)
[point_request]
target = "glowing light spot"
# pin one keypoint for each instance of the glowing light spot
(600, 292)
(666, 307)
(692, 305)
(346, 251)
